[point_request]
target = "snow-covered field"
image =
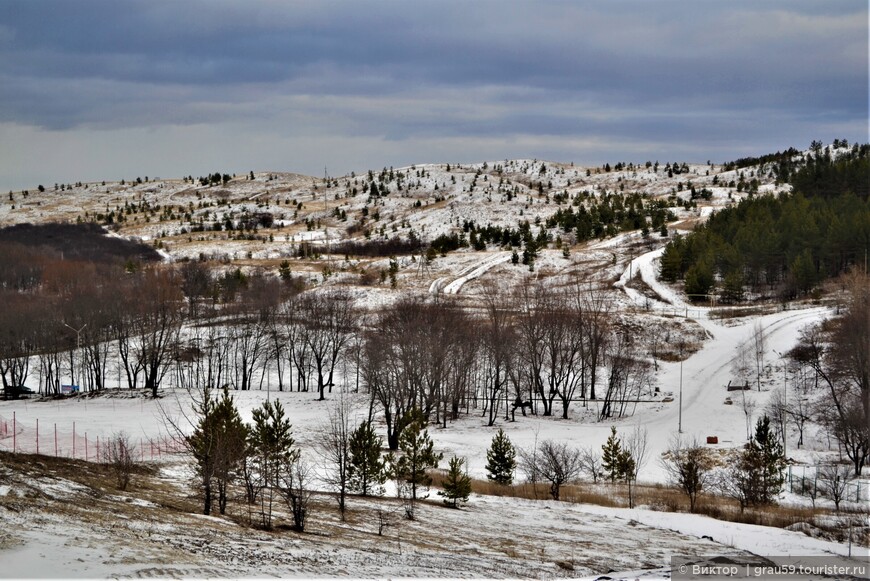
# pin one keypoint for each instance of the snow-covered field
(492, 537)
(80, 533)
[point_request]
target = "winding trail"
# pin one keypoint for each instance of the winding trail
(705, 374)
(470, 273)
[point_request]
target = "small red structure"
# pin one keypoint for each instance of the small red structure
(712, 439)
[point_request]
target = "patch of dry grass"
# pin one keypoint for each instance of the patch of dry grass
(666, 499)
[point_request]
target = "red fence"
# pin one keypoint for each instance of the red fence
(72, 441)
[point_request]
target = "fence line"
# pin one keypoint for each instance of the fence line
(71, 441)
(856, 491)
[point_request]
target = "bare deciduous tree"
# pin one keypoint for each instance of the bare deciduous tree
(555, 462)
(689, 468)
(759, 344)
(834, 480)
(637, 446)
(590, 461)
(335, 448)
(117, 455)
(838, 354)
(297, 491)
(329, 319)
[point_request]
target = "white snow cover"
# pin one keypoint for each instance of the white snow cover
(637, 542)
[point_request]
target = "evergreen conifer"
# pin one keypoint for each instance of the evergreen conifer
(457, 484)
(366, 470)
(501, 459)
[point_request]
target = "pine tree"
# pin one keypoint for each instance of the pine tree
(218, 445)
(418, 455)
(671, 261)
(457, 484)
(201, 444)
(272, 446)
(610, 456)
(757, 475)
(770, 461)
(626, 466)
(699, 280)
(501, 459)
(366, 471)
(231, 441)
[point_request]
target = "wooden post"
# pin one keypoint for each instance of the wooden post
(55, 440)
(74, 441)
(14, 433)
(37, 436)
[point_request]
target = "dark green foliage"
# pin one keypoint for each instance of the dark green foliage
(457, 484)
(501, 459)
(616, 461)
(625, 465)
(732, 287)
(824, 176)
(757, 476)
(219, 446)
(767, 459)
(803, 272)
(607, 215)
(611, 456)
(791, 242)
(671, 262)
(417, 456)
(445, 243)
(699, 281)
(271, 435)
(782, 162)
(366, 470)
(273, 453)
(232, 445)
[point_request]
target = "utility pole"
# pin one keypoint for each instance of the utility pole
(680, 420)
(326, 186)
(784, 400)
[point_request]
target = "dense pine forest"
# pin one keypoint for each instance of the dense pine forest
(782, 245)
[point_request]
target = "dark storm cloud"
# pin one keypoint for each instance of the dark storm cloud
(667, 72)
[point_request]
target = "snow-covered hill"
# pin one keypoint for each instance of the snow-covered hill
(260, 222)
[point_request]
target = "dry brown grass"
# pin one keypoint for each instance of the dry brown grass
(663, 498)
(740, 312)
(97, 499)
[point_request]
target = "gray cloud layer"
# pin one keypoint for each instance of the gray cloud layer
(109, 89)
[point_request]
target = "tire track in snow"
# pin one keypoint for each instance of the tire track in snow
(706, 371)
(468, 274)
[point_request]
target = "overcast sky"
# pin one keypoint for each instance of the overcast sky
(93, 90)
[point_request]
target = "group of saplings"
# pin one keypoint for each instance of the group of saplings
(753, 476)
(558, 463)
(265, 459)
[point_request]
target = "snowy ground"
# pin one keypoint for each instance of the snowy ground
(70, 525)
(493, 537)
